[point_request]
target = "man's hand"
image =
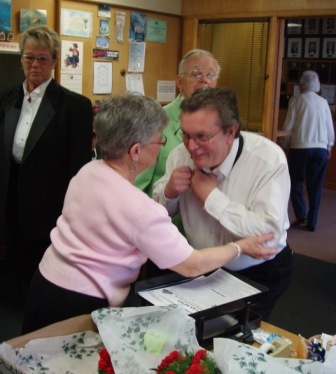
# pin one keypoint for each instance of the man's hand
(179, 182)
(202, 184)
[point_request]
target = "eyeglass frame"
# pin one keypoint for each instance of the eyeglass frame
(31, 59)
(163, 141)
(197, 139)
(209, 76)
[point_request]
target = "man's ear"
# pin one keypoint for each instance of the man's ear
(179, 84)
(231, 132)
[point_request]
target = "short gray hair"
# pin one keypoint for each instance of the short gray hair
(196, 52)
(310, 81)
(126, 120)
(43, 37)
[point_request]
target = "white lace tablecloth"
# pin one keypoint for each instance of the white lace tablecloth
(237, 358)
(137, 340)
(71, 354)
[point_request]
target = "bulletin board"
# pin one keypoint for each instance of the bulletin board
(162, 56)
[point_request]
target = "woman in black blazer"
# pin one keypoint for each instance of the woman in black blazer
(45, 138)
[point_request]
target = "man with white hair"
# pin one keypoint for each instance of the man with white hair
(310, 127)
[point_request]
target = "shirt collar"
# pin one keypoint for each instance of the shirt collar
(223, 170)
(39, 91)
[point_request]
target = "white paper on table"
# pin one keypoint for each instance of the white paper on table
(102, 77)
(134, 83)
(201, 293)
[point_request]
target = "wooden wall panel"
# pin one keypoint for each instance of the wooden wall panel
(161, 59)
(234, 8)
(17, 5)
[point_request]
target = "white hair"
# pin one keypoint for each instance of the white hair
(310, 81)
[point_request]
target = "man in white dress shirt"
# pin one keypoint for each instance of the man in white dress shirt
(228, 185)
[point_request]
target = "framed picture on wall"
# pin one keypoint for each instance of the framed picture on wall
(294, 26)
(329, 25)
(312, 26)
(329, 48)
(312, 48)
(294, 47)
(293, 71)
(102, 42)
(104, 27)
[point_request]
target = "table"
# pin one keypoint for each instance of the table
(84, 322)
(79, 325)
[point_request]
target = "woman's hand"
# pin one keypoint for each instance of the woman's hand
(254, 246)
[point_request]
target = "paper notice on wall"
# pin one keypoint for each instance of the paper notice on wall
(72, 82)
(166, 91)
(134, 83)
(102, 78)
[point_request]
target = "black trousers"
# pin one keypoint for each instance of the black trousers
(22, 254)
(276, 275)
(48, 303)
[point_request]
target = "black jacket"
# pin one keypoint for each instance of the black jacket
(58, 145)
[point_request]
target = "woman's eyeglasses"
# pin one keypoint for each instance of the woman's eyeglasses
(163, 141)
(42, 60)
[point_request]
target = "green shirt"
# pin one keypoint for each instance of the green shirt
(148, 177)
(145, 180)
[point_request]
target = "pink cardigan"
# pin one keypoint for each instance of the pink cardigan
(107, 230)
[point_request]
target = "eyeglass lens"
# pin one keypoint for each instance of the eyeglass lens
(40, 59)
(197, 74)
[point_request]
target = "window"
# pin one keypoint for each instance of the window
(240, 48)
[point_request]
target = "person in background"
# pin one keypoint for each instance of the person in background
(108, 227)
(45, 138)
(311, 132)
(228, 185)
(197, 69)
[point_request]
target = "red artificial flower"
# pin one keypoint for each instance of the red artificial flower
(104, 363)
(199, 356)
(196, 369)
(174, 363)
(177, 363)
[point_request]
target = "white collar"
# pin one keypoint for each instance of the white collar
(226, 166)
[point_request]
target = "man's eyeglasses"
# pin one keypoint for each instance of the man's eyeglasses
(163, 141)
(197, 74)
(42, 60)
(200, 139)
